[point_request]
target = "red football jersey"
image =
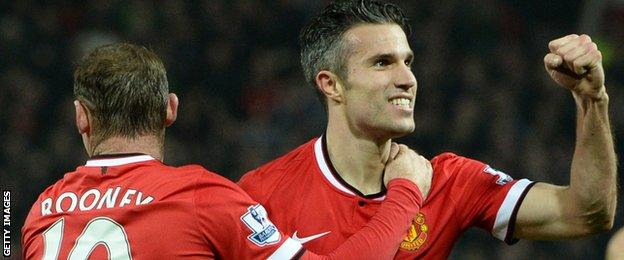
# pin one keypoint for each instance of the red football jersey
(136, 207)
(307, 198)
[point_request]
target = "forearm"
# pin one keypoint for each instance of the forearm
(382, 235)
(587, 205)
(593, 172)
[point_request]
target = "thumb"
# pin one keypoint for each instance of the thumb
(552, 61)
(394, 151)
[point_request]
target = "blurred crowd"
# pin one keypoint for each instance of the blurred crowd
(482, 89)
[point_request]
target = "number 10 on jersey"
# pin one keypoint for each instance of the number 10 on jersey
(99, 231)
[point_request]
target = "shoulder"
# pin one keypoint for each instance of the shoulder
(260, 182)
(277, 168)
(191, 181)
(35, 210)
(454, 171)
(206, 181)
(450, 164)
(196, 173)
(459, 171)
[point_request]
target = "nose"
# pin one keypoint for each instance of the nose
(405, 78)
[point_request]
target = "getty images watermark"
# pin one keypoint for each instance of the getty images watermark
(6, 223)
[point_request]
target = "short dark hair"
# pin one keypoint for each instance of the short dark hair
(321, 40)
(125, 87)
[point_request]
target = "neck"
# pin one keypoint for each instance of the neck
(359, 160)
(149, 144)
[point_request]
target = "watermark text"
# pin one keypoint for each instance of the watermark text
(6, 223)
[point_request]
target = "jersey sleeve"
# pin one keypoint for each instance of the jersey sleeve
(483, 196)
(235, 226)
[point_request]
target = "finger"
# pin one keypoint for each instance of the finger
(394, 150)
(564, 76)
(572, 44)
(588, 62)
(555, 44)
(570, 48)
(573, 55)
(403, 148)
(577, 59)
(401, 151)
(552, 61)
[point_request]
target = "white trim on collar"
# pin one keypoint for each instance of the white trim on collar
(322, 164)
(320, 160)
(118, 161)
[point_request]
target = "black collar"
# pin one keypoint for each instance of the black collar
(336, 175)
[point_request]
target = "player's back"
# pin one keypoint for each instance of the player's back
(119, 208)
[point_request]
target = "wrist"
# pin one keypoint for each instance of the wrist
(600, 97)
(404, 184)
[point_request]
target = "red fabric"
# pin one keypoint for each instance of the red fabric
(380, 237)
(194, 213)
(302, 199)
(185, 212)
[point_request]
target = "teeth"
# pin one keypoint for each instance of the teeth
(404, 102)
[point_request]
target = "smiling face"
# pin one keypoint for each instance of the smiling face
(379, 90)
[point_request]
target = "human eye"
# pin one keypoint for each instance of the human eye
(408, 62)
(380, 63)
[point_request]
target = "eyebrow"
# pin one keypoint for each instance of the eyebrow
(389, 56)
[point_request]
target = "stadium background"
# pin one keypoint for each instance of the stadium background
(234, 64)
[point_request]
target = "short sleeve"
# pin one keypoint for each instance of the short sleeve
(235, 226)
(484, 197)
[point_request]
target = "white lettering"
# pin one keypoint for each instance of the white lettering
(83, 199)
(93, 199)
(139, 200)
(6, 241)
(109, 197)
(7, 198)
(46, 207)
(126, 198)
(73, 199)
(6, 223)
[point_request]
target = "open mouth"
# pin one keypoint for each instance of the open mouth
(401, 102)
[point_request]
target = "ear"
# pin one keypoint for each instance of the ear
(172, 109)
(330, 85)
(82, 118)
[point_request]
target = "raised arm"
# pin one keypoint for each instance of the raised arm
(587, 205)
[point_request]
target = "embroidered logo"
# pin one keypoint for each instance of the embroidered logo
(263, 231)
(416, 235)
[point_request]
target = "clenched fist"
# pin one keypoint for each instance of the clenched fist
(406, 163)
(575, 62)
